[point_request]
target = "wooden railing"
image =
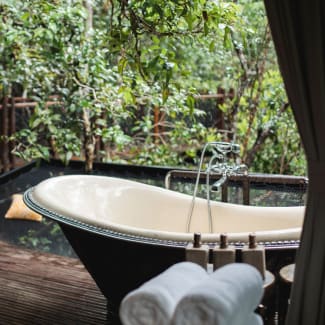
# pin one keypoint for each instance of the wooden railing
(247, 182)
(8, 127)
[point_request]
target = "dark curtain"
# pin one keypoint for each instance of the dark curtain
(298, 30)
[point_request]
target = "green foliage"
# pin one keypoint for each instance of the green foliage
(147, 33)
(258, 115)
(126, 73)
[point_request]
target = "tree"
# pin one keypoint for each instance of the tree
(257, 115)
(126, 74)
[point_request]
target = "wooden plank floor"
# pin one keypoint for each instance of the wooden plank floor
(40, 288)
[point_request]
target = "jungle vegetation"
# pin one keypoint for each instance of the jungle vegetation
(129, 79)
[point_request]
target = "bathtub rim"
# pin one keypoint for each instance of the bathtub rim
(32, 204)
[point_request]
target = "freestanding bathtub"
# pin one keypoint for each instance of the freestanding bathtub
(126, 232)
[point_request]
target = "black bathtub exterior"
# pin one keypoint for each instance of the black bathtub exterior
(119, 266)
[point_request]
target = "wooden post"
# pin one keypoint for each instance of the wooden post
(231, 96)
(97, 148)
(12, 130)
(231, 93)
(156, 122)
(246, 189)
(4, 133)
(224, 192)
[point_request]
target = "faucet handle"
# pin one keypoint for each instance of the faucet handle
(241, 169)
(235, 148)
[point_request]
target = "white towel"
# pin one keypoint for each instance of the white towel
(229, 296)
(154, 302)
(253, 319)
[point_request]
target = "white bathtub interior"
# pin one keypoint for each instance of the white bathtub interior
(144, 210)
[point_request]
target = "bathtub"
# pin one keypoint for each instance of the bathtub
(126, 232)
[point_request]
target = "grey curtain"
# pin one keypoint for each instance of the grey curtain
(298, 30)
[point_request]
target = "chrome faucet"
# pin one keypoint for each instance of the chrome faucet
(217, 165)
(226, 170)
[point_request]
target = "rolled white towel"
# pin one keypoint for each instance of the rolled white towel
(154, 302)
(253, 319)
(228, 296)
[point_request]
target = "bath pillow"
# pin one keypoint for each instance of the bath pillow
(18, 210)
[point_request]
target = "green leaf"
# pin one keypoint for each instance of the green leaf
(121, 65)
(25, 16)
(190, 101)
(212, 46)
(101, 122)
(165, 94)
(206, 28)
(189, 20)
(34, 123)
(227, 37)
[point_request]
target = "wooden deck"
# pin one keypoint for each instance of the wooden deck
(40, 288)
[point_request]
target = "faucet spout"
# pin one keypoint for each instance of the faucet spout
(216, 185)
